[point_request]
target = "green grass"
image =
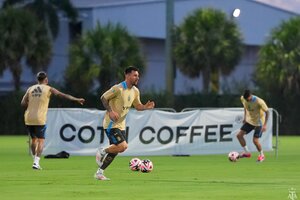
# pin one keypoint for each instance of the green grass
(194, 177)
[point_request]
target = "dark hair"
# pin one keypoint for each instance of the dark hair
(246, 94)
(40, 76)
(129, 69)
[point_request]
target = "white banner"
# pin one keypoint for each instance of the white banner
(152, 132)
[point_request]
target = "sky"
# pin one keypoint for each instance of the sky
(290, 5)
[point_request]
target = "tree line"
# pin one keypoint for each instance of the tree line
(207, 43)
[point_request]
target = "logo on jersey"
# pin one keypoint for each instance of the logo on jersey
(37, 92)
(126, 107)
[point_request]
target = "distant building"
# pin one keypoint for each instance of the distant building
(146, 19)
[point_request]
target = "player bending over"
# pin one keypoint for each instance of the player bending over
(255, 118)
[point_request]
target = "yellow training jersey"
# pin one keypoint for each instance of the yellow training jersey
(255, 110)
(120, 98)
(38, 101)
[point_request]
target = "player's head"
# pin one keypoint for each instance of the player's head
(129, 69)
(247, 95)
(132, 75)
(42, 77)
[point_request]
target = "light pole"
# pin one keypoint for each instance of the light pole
(168, 52)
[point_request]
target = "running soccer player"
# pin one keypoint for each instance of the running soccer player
(256, 115)
(117, 102)
(36, 101)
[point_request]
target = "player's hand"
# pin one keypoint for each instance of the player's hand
(113, 116)
(149, 105)
(264, 128)
(81, 101)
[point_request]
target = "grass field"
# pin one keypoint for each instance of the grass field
(194, 177)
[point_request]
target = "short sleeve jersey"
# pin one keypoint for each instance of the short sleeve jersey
(121, 98)
(255, 110)
(36, 112)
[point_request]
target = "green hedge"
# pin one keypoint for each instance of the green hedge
(12, 113)
(11, 120)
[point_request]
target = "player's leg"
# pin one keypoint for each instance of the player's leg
(118, 145)
(240, 137)
(33, 145)
(40, 137)
(105, 156)
(245, 129)
(33, 141)
(257, 134)
(118, 148)
(40, 147)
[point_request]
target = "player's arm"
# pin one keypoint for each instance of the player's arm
(146, 106)
(105, 103)
(25, 100)
(66, 96)
(265, 108)
(244, 120)
(243, 102)
(138, 104)
(105, 98)
(264, 128)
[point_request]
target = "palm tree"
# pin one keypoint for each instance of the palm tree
(102, 53)
(279, 60)
(47, 11)
(40, 51)
(207, 42)
(18, 30)
(278, 72)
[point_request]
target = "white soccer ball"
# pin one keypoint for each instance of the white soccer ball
(233, 156)
(135, 164)
(146, 166)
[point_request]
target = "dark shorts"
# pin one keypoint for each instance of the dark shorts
(248, 128)
(36, 131)
(115, 135)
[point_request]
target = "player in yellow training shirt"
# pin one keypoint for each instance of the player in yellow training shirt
(256, 115)
(117, 101)
(36, 101)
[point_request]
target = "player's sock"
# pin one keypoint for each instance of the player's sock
(37, 160)
(107, 160)
(100, 171)
(103, 151)
(99, 175)
(246, 149)
(261, 153)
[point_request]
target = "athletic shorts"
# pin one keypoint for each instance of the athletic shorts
(36, 131)
(248, 128)
(115, 135)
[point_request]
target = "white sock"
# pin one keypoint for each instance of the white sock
(246, 149)
(100, 171)
(261, 153)
(103, 151)
(37, 160)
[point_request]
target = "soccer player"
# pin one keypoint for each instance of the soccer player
(255, 118)
(117, 102)
(36, 101)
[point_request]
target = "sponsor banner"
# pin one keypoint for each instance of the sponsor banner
(152, 132)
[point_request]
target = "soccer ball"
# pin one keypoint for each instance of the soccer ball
(146, 166)
(233, 156)
(135, 164)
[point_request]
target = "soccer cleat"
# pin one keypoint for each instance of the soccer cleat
(245, 155)
(100, 176)
(260, 158)
(36, 166)
(100, 156)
